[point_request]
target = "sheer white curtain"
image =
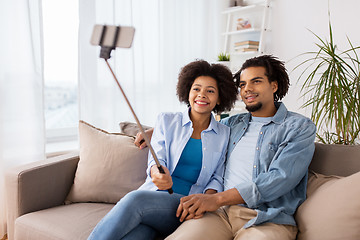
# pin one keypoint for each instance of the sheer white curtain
(169, 34)
(21, 89)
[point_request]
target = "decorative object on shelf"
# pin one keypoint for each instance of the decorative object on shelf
(247, 42)
(332, 88)
(223, 57)
(236, 3)
(246, 46)
(239, 2)
(242, 23)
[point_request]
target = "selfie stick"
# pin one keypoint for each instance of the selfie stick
(105, 54)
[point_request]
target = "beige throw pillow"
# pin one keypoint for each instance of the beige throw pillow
(331, 210)
(110, 166)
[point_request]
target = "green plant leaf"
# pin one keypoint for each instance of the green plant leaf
(224, 57)
(331, 87)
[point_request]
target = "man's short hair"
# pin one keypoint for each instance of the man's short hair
(228, 91)
(274, 70)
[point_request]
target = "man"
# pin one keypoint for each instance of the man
(265, 179)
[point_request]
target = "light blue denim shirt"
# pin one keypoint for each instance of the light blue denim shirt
(283, 153)
(171, 133)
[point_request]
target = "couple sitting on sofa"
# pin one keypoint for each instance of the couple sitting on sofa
(254, 193)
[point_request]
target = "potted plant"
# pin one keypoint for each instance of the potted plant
(224, 59)
(332, 90)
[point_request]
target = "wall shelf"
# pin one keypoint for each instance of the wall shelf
(244, 9)
(248, 30)
(247, 54)
(235, 33)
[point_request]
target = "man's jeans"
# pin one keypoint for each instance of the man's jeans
(141, 214)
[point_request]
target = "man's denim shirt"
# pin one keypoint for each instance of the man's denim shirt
(284, 151)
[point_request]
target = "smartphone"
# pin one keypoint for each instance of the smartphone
(112, 36)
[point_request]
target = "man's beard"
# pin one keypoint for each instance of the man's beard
(254, 108)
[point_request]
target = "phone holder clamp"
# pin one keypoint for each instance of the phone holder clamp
(105, 52)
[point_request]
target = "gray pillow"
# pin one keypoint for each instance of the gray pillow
(130, 128)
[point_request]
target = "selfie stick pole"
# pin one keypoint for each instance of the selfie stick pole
(161, 170)
(105, 54)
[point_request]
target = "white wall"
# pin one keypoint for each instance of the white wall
(289, 36)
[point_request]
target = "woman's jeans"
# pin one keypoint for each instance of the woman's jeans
(140, 214)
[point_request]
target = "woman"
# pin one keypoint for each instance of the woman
(191, 147)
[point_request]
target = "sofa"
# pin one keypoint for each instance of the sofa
(65, 196)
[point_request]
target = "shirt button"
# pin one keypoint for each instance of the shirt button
(261, 132)
(257, 148)
(204, 149)
(234, 143)
(254, 166)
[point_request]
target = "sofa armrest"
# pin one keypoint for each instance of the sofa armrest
(38, 185)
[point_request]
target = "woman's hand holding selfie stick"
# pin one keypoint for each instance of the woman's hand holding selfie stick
(139, 139)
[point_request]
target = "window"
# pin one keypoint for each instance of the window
(60, 29)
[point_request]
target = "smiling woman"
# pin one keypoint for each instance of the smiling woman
(204, 95)
(191, 147)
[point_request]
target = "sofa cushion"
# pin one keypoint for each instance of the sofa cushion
(130, 128)
(329, 159)
(74, 221)
(110, 166)
(332, 208)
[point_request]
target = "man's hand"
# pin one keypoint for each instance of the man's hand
(161, 180)
(139, 139)
(194, 206)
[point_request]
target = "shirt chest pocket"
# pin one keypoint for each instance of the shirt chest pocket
(268, 153)
(273, 147)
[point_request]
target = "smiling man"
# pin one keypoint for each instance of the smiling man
(270, 149)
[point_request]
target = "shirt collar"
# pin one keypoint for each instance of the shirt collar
(186, 117)
(212, 126)
(280, 114)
